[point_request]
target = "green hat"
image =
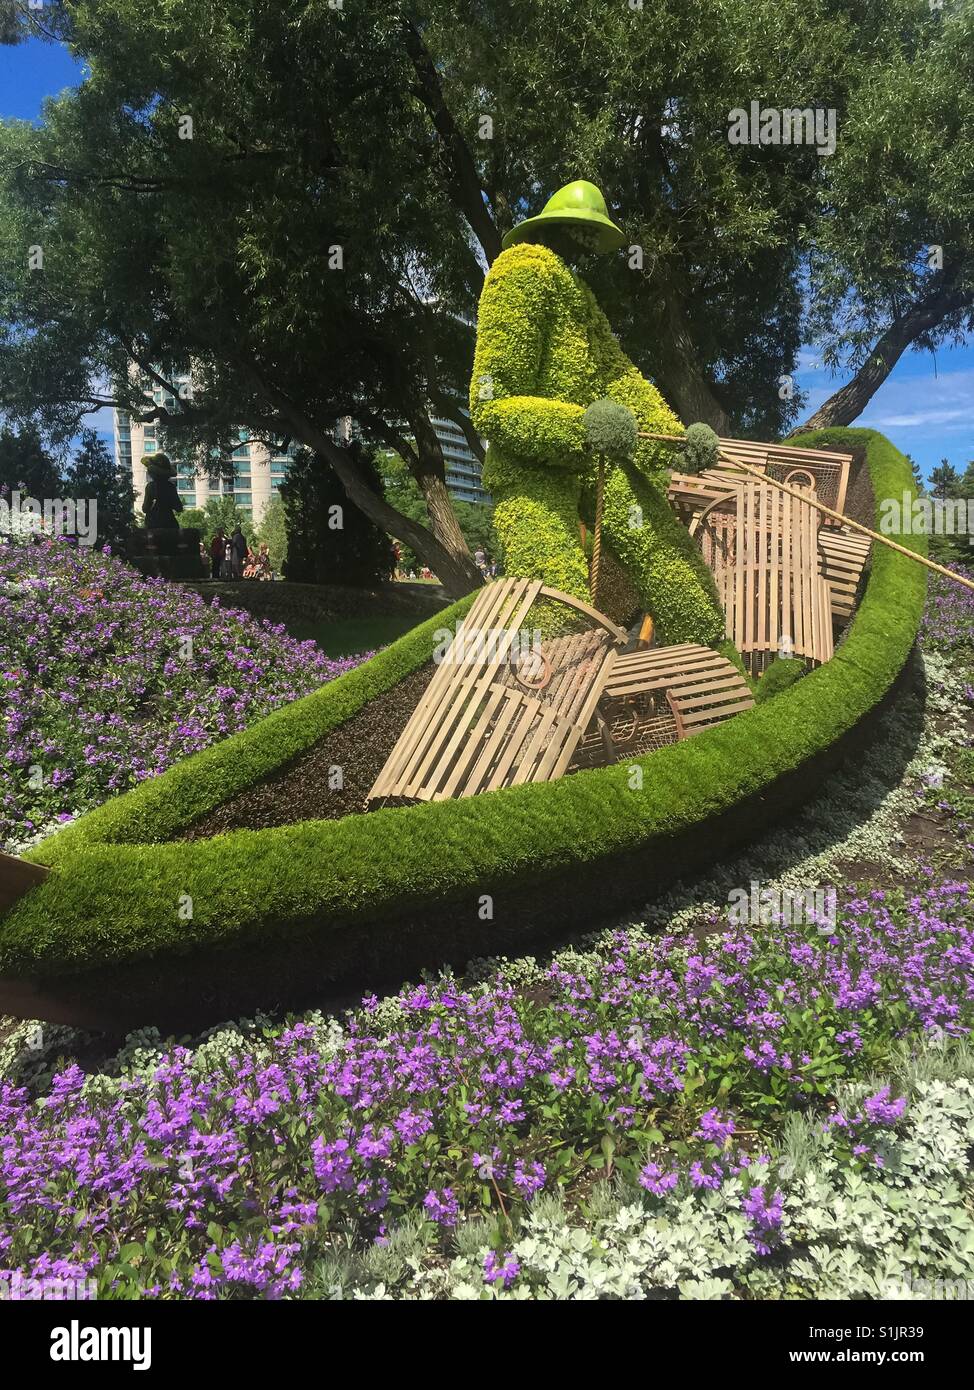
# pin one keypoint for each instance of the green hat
(579, 204)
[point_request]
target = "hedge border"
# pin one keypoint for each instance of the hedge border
(115, 898)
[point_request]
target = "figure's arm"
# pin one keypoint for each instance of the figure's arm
(515, 318)
(629, 387)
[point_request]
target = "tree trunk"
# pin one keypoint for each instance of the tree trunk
(848, 403)
(426, 466)
(460, 168)
(681, 378)
(450, 569)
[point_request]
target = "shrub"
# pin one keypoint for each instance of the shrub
(112, 900)
(329, 541)
(780, 675)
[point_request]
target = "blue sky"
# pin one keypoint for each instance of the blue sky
(926, 406)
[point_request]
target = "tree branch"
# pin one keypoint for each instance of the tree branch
(464, 184)
(942, 299)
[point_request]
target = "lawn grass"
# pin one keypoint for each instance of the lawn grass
(338, 637)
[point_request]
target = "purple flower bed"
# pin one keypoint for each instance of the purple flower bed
(674, 1065)
(948, 618)
(107, 678)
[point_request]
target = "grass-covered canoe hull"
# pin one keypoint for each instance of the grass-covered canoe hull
(134, 926)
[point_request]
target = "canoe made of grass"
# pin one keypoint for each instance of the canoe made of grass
(139, 924)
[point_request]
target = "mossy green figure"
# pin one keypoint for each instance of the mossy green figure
(545, 353)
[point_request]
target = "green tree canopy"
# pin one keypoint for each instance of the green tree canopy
(302, 200)
(26, 466)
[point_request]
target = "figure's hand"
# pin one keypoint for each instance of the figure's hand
(610, 428)
(701, 448)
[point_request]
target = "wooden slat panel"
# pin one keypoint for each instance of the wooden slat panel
(481, 737)
(775, 587)
(483, 770)
(725, 710)
(469, 677)
(464, 700)
(18, 877)
(486, 604)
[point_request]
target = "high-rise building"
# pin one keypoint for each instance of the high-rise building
(463, 467)
(258, 470)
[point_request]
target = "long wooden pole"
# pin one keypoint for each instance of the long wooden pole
(593, 578)
(829, 511)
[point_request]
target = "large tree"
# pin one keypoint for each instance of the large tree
(316, 248)
(217, 193)
(892, 251)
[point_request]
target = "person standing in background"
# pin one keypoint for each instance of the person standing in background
(240, 552)
(217, 548)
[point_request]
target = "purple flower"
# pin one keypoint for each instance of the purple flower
(506, 1269)
(656, 1181)
(412, 1125)
(529, 1179)
(702, 1177)
(371, 1145)
(441, 1207)
(765, 1218)
(715, 1129)
(883, 1111)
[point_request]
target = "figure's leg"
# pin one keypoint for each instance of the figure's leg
(536, 516)
(661, 558)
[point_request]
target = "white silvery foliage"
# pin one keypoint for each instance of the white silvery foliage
(849, 1233)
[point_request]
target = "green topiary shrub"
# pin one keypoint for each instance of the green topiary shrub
(610, 429)
(114, 900)
(546, 357)
(782, 673)
(701, 449)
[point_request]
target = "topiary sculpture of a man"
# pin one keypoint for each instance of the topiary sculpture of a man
(545, 354)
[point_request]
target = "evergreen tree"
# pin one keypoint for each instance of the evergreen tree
(26, 466)
(272, 532)
(94, 475)
(329, 541)
(944, 479)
